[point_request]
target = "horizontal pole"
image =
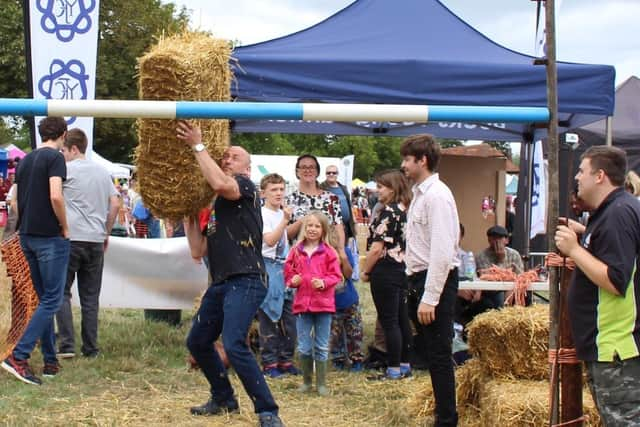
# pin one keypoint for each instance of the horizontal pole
(271, 111)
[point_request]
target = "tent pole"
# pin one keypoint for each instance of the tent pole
(609, 131)
(553, 205)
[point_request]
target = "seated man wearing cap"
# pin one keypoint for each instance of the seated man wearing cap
(496, 254)
(500, 255)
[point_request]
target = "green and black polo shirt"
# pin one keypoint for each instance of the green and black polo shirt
(603, 324)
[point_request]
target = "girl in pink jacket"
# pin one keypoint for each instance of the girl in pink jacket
(313, 267)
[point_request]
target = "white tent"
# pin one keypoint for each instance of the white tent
(115, 170)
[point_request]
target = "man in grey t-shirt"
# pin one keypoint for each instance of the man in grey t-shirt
(91, 202)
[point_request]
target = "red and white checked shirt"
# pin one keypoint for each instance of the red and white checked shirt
(432, 235)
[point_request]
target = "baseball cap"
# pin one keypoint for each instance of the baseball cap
(498, 230)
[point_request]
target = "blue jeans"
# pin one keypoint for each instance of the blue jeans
(48, 258)
(228, 309)
(318, 324)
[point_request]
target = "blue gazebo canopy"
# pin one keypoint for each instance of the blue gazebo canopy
(410, 52)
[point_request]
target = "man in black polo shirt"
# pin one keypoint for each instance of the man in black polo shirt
(605, 292)
(233, 244)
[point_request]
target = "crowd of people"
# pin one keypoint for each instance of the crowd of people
(290, 261)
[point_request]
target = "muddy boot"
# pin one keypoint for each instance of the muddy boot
(321, 377)
(306, 363)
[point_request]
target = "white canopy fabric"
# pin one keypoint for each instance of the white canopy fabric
(115, 170)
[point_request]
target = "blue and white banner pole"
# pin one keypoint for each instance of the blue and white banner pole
(64, 47)
(270, 111)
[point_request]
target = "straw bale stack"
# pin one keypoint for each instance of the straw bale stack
(469, 380)
(524, 404)
(190, 66)
(512, 343)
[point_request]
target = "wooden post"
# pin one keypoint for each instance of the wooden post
(570, 385)
(570, 373)
(553, 195)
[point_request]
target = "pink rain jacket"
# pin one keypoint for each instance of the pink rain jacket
(322, 264)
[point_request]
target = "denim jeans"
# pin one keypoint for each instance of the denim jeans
(436, 339)
(314, 330)
(48, 258)
(228, 308)
(86, 260)
(277, 339)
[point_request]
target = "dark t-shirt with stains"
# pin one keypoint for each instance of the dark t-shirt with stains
(234, 234)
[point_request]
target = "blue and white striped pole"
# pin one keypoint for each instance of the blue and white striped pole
(270, 111)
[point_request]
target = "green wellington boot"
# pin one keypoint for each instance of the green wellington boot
(306, 363)
(321, 378)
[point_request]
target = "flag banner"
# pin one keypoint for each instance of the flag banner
(64, 45)
(539, 190)
(541, 34)
(345, 170)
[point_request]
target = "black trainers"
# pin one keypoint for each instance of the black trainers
(269, 420)
(21, 370)
(50, 369)
(213, 408)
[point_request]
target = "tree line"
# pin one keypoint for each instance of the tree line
(127, 30)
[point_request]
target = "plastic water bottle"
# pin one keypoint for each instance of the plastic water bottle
(470, 266)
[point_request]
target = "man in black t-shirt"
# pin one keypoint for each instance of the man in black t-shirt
(43, 229)
(232, 243)
(604, 296)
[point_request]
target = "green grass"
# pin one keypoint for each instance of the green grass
(141, 378)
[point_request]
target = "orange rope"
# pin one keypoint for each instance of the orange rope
(521, 282)
(563, 356)
(520, 287)
(554, 260)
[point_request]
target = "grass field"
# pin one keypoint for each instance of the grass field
(141, 378)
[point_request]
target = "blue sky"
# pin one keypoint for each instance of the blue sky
(591, 31)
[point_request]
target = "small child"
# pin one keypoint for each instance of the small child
(346, 325)
(277, 322)
(313, 268)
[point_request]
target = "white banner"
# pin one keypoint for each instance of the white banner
(150, 273)
(64, 45)
(538, 192)
(345, 171)
(540, 47)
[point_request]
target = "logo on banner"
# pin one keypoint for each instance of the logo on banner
(65, 81)
(66, 18)
(535, 189)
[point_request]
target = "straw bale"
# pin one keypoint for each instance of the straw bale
(524, 403)
(512, 343)
(189, 66)
(469, 381)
